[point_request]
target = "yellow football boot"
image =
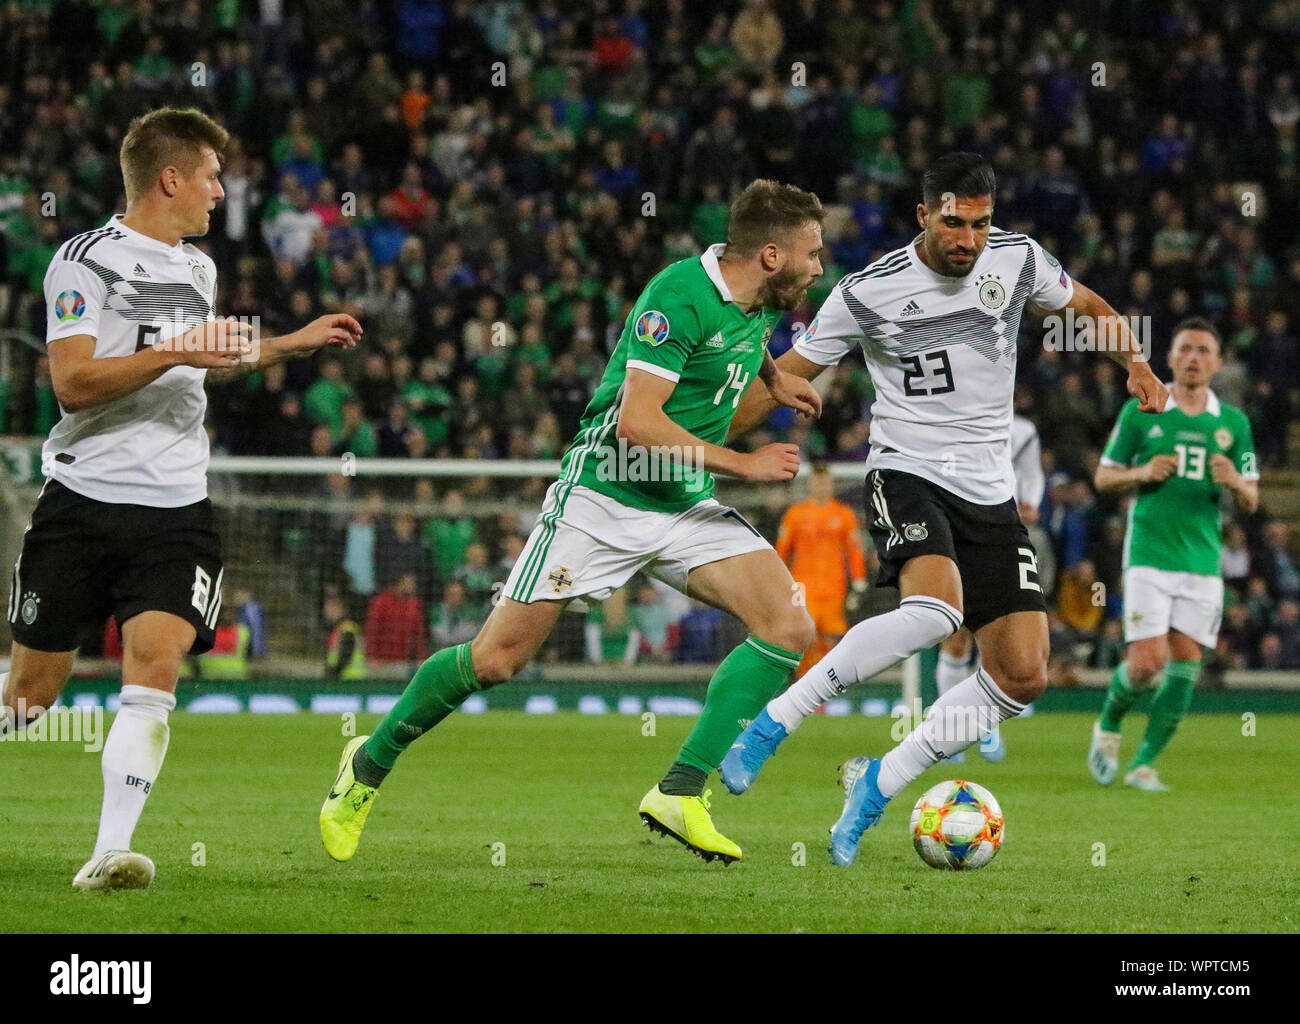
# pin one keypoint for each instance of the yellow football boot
(344, 813)
(686, 819)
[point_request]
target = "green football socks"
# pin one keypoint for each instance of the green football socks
(1120, 697)
(745, 681)
(438, 688)
(1168, 707)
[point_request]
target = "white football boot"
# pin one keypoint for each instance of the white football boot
(1144, 777)
(1103, 755)
(116, 869)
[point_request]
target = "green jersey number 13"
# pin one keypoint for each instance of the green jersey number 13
(1191, 461)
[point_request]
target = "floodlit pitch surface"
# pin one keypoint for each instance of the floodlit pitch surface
(511, 822)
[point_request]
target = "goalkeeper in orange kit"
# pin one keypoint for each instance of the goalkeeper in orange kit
(820, 543)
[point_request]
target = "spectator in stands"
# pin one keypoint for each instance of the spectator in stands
(1270, 653)
(1235, 556)
(359, 545)
(398, 552)
(1069, 505)
(251, 615)
(650, 619)
(345, 656)
(291, 224)
(321, 443)
(1274, 564)
(1107, 556)
(1080, 599)
(395, 627)
(1259, 601)
(1286, 626)
(387, 307)
(1238, 636)
(698, 632)
(477, 575)
(375, 389)
(356, 434)
(393, 434)
(454, 620)
(448, 536)
(290, 429)
(323, 402)
(1275, 365)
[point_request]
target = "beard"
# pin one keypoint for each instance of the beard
(782, 290)
(947, 268)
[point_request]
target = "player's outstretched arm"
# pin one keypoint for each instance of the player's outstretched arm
(760, 399)
(336, 329)
(642, 422)
(1122, 345)
(81, 381)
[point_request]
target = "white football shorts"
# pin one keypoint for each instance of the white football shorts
(588, 545)
(1156, 601)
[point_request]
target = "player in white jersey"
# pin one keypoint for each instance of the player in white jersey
(937, 322)
(957, 654)
(123, 525)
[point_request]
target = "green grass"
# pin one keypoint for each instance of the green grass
(561, 793)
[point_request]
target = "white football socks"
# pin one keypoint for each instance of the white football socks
(964, 715)
(133, 755)
(950, 671)
(871, 646)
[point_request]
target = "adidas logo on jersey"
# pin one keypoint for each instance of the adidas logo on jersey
(716, 341)
(139, 271)
(1155, 431)
(911, 309)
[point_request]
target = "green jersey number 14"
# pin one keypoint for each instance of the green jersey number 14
(736, 378)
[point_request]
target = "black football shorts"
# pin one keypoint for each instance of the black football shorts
(911, 516)
(83, 560)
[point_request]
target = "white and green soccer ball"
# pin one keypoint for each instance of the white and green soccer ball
(957, 825)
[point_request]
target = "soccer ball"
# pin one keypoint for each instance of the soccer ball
(957, 825)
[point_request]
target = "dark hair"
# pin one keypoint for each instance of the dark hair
(766, 209)
(167, 137)
(820, 465)
(967, 175)
(1198, 323)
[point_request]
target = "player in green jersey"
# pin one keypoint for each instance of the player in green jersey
(635, 495)
(1179, 461)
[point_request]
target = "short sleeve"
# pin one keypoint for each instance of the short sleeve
(832, 334)
(1052, 288)
(1243, 449)
(1121, 446)
(665, 330)
(74, 297)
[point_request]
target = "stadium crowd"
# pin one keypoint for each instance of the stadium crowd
(488, 186)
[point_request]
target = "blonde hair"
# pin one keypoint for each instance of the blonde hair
(765, 210)
(168, 137)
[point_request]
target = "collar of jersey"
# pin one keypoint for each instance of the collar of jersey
(1211, 401)
(709, 260)
(115, 221)
(962, 282)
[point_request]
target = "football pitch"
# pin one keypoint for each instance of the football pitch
(509, 822)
